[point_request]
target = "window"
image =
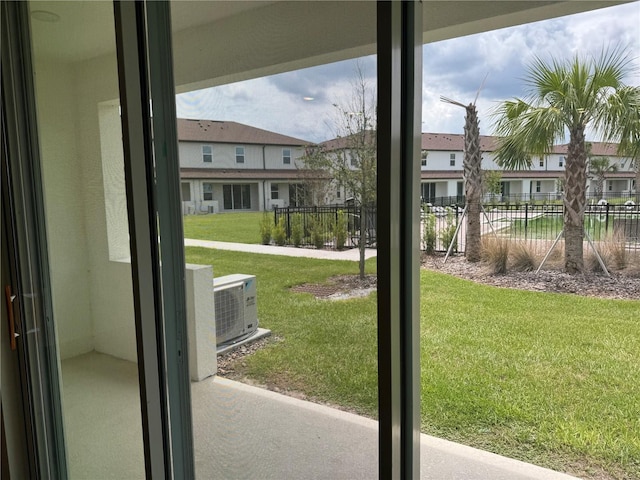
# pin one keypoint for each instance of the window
(538, 186)
(286, 156)
(239, 154)
(338, 193)
(424, 158)
(452, 160)
(186, 191)
(274, 191)
(207, 153)
(561, 162)
(541, 162)
(236, 197)
(207, 191)
(460, 189)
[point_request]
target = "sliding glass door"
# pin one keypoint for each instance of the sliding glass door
(106, 303)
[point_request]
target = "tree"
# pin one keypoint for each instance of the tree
(570, 95)
(598, 169)
(316, 184)
(472, 173)
(493, 182)
(629, 146)
(351, 158)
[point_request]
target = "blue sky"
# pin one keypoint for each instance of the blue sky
(452, 68)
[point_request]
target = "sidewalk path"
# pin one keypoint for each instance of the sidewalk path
(351, 255)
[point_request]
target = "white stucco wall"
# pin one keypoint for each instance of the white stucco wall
(64, 176)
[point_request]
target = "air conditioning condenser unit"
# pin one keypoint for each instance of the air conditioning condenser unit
(236, 316)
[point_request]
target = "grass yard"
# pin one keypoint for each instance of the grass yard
(240, 227)
(546, 378)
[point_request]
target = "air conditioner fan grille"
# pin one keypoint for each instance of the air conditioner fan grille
(229, 313)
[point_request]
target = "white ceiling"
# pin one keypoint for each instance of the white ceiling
(245, 39)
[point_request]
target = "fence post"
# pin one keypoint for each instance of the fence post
(526, 220)
(275, 215)
(606, 222)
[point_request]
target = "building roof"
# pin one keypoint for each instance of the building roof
(598, 149)
(454, 142)
(341, 143)
(215, 131)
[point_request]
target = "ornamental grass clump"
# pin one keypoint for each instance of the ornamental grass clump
(523, 257)
(495, 253)
(616, 248)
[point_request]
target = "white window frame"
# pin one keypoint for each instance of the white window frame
(541, 163)
(561, 162)
(286, 157)
(538, 186)
(452, 159)
(275, 191)
(206, 186)
(240, 154)
(207, 157)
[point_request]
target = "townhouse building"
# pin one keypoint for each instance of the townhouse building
(442, 173)
(228, 166)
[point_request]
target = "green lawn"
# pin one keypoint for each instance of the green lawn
(546, 378)
(240, 227)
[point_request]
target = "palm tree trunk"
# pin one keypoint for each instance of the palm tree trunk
(575, 201)
(472, 184)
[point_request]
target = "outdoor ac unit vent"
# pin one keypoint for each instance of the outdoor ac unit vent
(236, 317)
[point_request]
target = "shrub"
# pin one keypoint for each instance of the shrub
(523, 257)
(495, 252)
(448, 232)
(429, 231)
(316, 231)
(265, 228)
(591, 262)
(615, 246)
(280, 232)
(297, 230)
(340, 230)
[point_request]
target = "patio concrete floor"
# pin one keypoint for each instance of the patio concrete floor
(244, 432)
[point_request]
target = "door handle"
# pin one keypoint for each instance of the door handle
(12, 323)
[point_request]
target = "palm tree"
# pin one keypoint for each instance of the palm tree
(472, 173)
(568, 96)
(598, 169)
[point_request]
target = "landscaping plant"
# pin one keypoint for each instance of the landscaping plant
(429, 231)
(279, 232)
(340, 230)
(448, 232)
(265, 228)
(297, 230)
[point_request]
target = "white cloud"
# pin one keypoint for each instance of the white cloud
(453, 68)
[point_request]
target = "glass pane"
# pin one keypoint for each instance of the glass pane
(261, 411)
(77, 99)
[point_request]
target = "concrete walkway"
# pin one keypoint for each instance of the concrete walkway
(262, 434)
(351, 254)
(290, 438)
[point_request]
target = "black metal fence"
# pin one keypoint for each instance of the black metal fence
(320, 225)
(533, 222)
(617, 198)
